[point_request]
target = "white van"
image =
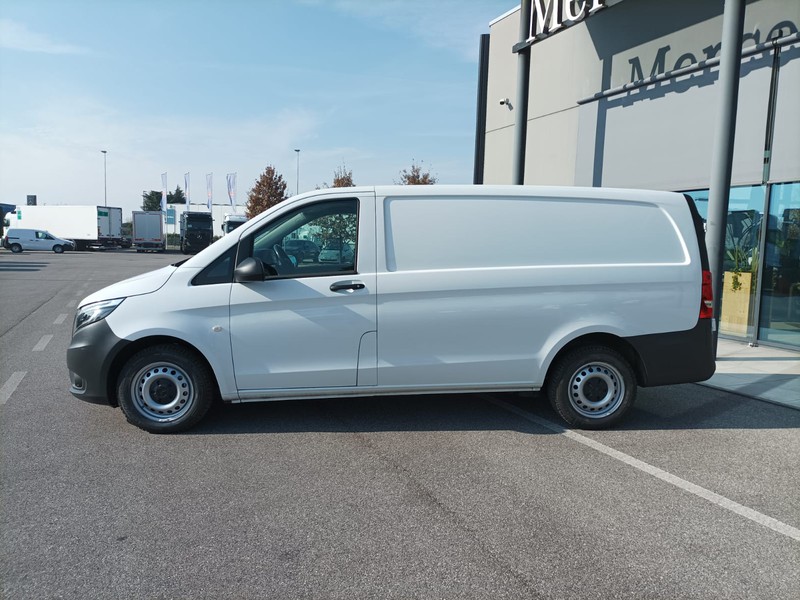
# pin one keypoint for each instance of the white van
(585, 293)
(18, 240)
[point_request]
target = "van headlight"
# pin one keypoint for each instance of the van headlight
(96, 311)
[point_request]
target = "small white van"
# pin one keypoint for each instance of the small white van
(585, 293)
(18, 240)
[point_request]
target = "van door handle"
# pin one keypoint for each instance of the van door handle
(347, 286)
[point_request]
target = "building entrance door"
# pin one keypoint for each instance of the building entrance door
(779, 320)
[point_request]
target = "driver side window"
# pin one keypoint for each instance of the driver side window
(315, 240)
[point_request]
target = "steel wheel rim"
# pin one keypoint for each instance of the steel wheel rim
(596, 390)
(162, 392)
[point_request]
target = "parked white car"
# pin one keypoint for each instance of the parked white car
(18, 240)
(593, 293)
(336, 251)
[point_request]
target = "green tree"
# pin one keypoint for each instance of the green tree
(176, 197)
(416, 176)
(340, 228)
(337, 228)
(151, 200)
(269, 190)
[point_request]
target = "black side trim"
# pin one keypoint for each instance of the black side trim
(89, 358)
(699, 233)
(675, 357)
(219, 271)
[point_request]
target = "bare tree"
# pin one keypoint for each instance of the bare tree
(343, 177)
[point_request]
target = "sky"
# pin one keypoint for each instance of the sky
(232, 86)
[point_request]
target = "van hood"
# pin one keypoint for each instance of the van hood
(147, 283)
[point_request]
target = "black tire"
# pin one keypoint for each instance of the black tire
(592, 387)
(15, 248)
(58, 249)
(165, 389)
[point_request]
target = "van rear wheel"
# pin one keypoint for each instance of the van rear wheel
(165, 389)
(592, 387)
(15, 248)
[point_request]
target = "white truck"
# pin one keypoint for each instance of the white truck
(90, 227)
(232, 221)
(148, 231)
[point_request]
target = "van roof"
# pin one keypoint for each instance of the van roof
(620, 194)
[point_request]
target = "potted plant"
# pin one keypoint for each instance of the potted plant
(741, 263)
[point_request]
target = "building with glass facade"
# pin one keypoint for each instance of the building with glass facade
(627, 95)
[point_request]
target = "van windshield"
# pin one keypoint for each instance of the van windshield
(199, 225)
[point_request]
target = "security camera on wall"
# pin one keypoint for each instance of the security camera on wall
(506, 102)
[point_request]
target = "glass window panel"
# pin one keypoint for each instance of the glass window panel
(740, 258)
(326, 234)
(780, 289)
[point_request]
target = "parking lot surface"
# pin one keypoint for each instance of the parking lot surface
(456, 496)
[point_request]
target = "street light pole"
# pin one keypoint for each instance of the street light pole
(105, 179)
(297, 183)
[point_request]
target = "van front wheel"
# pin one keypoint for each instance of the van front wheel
(592, 387)
(165, 389)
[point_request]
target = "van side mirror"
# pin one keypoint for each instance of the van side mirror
(252, 269)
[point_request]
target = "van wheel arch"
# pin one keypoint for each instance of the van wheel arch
(133, 348)
(608, 340)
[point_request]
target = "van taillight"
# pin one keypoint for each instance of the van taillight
(707, 297)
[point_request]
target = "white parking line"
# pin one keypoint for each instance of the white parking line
(687, 486)
(10, 386)
(72, 303)
(42, 344)
(60, 319)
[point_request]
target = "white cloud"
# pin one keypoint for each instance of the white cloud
(16, 36)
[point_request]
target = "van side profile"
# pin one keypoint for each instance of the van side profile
(18, 240)
(585, 293)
